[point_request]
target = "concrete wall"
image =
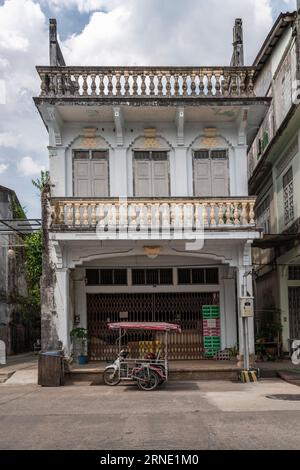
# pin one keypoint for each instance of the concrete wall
(120, 158)
(12, 272)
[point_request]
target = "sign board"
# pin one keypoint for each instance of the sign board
(247, 307)
(2, 352)
(123, 315)
(296, 353)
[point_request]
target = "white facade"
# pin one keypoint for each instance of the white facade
(174, 142)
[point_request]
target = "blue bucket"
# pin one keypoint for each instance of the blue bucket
(82, 360)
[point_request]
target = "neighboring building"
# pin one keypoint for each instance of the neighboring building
(173, 141)
(12, 274)
(274, 175)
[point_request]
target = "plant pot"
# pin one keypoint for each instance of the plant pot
(82, 359)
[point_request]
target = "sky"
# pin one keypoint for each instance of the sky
(106, 32)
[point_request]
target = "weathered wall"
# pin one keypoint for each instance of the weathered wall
(120, 157)
(12, 273)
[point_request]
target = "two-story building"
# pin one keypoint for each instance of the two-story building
(274, 170)
(150, 214)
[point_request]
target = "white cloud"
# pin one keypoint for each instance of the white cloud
(152, 32)
(9, 140)
(3, 168)
(23, 45)
(83, 6)
(29, 167)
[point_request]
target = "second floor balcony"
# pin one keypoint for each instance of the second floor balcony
(165, 217)
(146, 82)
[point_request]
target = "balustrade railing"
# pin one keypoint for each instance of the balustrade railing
(134, 215)
(146, 82)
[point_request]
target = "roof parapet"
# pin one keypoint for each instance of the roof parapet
(238, 44)
(55, 54)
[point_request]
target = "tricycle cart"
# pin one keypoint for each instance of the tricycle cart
(148, 372)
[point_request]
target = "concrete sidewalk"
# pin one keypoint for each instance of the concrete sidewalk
(20, 369)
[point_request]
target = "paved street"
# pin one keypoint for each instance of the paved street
(192, 415)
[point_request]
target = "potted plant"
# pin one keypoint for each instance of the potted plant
(80, 335)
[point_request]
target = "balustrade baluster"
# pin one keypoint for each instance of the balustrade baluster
(61, 213)
(242, 79)
(59, 84)
(252, 213)
(77, 214)
(70, 214)
(93, 214)
(250, 87)
(134, 84)
(228, 214)
(201, 85)
(236, 214)
(233, 85)
(76, 84)
(44, 86)
(205, 214)
(218, 83)
(118, 83)
(143, 84)
(221, 214)
(168, 84)
(225, 84)
(193, 84)
(84, 85)
(93, 84)
(101, 84)
(184, 84)
(85, 215)
(209, 84)
(212, 214)
(151, 84)
(51, 84)
(176, 85)
(159, 84)
(110, 84)
(244, 213)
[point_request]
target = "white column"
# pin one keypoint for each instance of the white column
(80, 297)
(240, 186)
(118, 172)
(244, 288)
(57, 169)
(230, 333)
(62, 301)
(179, 185)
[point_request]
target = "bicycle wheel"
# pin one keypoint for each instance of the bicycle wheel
(148, 382)
(111, 376)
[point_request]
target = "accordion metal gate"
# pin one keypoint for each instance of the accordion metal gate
(294, 312)
(181, 308)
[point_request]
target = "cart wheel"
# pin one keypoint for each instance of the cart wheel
(148, 384)
(111, 376)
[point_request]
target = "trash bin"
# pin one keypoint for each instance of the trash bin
(50, 369)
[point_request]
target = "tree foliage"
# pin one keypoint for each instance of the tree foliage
(33, 255)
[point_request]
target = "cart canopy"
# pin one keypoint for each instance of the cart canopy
(145, 326)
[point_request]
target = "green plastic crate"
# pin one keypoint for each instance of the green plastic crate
(210, 311)
(212, 339)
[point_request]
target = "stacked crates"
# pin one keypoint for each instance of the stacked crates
(211, 330)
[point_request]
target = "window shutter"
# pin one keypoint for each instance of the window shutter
(160, 178)
(99, 174)
(202, 177)
(142, 178)
(219, 171)
(81, 178)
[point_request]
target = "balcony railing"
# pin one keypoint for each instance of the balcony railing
(143, 216)
(133, 82)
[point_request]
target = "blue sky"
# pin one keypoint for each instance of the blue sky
(95, 32)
